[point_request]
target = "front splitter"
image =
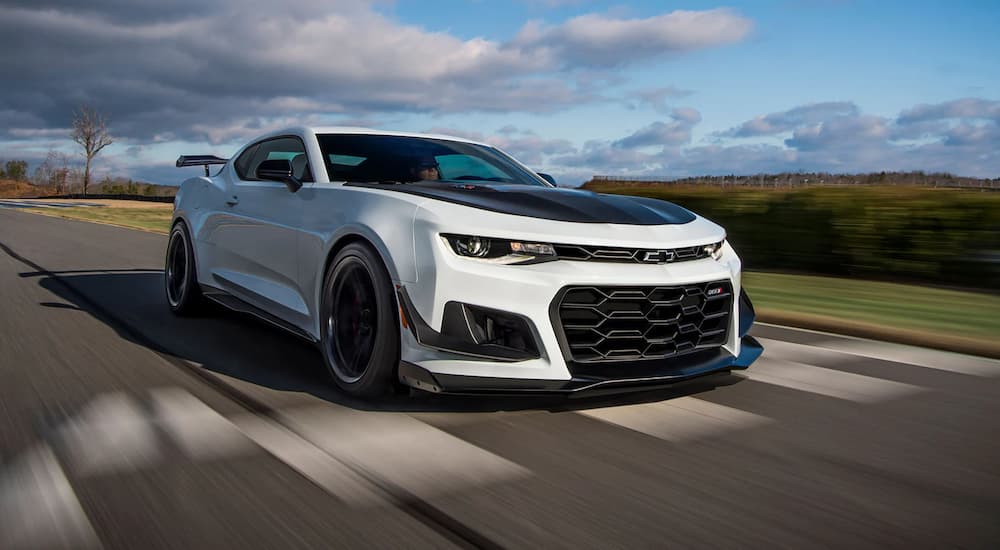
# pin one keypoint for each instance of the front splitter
(666, 373)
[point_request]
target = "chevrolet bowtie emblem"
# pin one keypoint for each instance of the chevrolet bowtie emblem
(658, 256)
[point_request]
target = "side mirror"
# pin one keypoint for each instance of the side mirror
(547, 178)
(279, 170)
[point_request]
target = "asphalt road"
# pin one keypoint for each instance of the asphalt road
(124, 427)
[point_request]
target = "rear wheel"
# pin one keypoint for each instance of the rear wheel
(360, 328)
(180, 282)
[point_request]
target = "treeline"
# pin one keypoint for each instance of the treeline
(906, 233)
(123, 186)
(799, 179)
(16, 170)
(59, 175)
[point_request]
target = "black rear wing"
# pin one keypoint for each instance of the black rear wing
(199, 160)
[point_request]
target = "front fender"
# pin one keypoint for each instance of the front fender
(336, 213)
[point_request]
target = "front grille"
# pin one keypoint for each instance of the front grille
(630, 255)
(615, 323)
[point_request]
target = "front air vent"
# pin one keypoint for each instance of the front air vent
(618, 323)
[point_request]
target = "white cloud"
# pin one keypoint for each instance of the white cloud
(840, 132)
(784, 121)
(34, 133)
(959, 137)
(965, 108)
(603, 41)
(200, 74)
(663, 134)
(656, 98)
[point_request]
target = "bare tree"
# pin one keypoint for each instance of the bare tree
(90, 130)
(54, 172)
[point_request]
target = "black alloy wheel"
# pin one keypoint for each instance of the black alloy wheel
(181, 285)
(353, 320)
(360, 326)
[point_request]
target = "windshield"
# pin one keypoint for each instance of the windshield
(402, 159)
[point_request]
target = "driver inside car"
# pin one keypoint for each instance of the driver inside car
(425, 168)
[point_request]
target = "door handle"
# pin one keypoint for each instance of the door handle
(233, 201)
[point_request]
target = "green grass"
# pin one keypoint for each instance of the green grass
(153, 219)
(966, 314)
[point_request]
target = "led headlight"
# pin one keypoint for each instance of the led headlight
(715, 249)
(501, 251)
(476, 247)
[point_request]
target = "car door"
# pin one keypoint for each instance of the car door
(257, 243)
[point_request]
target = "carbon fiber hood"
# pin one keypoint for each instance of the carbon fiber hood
(550, 203)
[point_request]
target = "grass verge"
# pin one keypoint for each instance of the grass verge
(965, 322)
(150, 219)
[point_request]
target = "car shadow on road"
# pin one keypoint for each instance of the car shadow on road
(239, 346)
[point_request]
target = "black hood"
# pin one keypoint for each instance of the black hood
(549, 203)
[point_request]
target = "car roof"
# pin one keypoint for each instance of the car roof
(303, 130)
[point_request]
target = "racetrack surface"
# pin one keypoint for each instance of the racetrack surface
(122, 426)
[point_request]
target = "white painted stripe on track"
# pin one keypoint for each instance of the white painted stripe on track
(801, 353)
(679, 419)
(902, 353)
(38, 508)
(198, 429)
(23, 205)
(312, 462)
(33, 204)
(828, 382)
(910, 355)
(112, 434)
(401, 450)
(923, 357)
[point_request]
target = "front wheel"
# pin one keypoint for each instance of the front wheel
(360, 328)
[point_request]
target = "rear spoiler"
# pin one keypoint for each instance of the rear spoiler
(199, 160)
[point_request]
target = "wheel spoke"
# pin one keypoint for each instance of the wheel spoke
(355, 367)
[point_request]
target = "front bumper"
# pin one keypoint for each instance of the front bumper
(432, 361)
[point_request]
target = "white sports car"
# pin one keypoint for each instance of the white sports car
(446, 265)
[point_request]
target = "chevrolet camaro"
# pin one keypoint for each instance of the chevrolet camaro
(446, 265)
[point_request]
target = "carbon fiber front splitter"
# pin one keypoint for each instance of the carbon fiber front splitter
(621, 377)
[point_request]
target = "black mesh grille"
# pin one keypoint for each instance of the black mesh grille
(629, 255)
(610, 323)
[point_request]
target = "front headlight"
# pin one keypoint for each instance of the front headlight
(500, 251)
(715, 249)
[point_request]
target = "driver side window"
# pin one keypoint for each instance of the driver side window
(286, 148)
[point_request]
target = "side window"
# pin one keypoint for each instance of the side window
(286, 148)
(243, 162)
(343, 167)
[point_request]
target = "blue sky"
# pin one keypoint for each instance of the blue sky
(573, 87)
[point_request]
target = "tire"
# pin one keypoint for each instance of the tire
(180, 279)
(359, 324)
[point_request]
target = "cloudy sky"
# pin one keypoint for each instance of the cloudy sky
(571, 87)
